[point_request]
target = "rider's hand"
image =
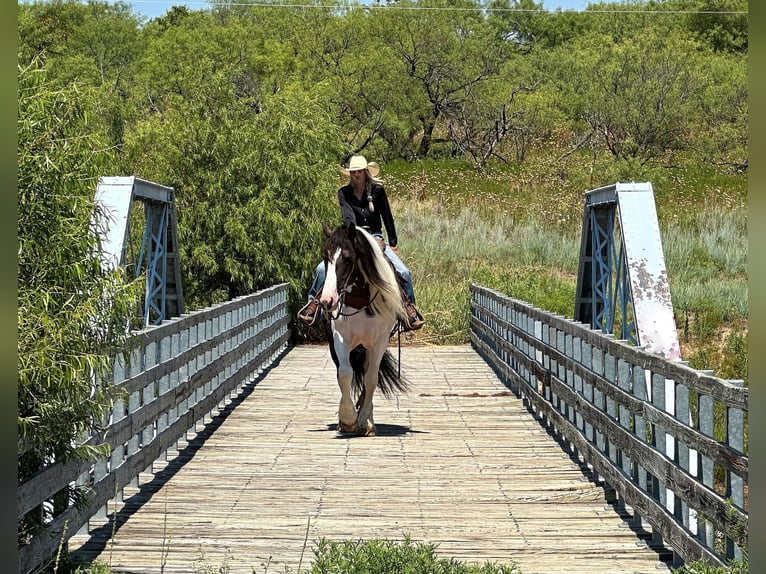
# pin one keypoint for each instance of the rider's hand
(394, 249)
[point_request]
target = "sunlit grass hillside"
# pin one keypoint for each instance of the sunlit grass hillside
(519, 233)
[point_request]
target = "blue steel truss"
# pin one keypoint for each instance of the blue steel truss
(153, 246)
(611, 288)
(622, 286)
(158, 256)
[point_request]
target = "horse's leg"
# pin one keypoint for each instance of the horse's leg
(365, 420)
(346, 410)
(360, 400)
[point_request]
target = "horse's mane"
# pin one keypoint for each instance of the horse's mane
(377, 271)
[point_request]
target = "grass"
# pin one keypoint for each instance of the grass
(517, 229)
(449, 252)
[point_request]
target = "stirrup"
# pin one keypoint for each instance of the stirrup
(309, 312)
(414, 320)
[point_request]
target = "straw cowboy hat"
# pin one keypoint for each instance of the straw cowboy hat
(358, 162)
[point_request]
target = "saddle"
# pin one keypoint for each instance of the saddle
(359, 297)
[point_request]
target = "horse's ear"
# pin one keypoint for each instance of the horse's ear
(326, 229)
(351, 230)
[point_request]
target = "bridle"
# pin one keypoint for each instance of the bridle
(360, 296)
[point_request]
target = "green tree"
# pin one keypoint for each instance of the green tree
(637, 98)
(93, 44)
(71, 312)
(341, 53)
(446, 51)
(526, 25)
(614, 22)
(252, 159)
(722, 24)
(722, 131)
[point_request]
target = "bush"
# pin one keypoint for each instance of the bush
(702, 567)
(71, 312)
(388, 557)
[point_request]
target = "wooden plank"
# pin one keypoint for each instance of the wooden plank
(457, 462)
(723, 391)
(726, 456)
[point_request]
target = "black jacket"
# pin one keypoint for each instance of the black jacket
(352, 209)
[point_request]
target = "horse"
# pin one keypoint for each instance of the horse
(363, 301)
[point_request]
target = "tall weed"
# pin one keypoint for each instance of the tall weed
(517, 229)
(446, 253)
(707, 262)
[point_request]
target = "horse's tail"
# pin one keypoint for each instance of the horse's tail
(390, 378)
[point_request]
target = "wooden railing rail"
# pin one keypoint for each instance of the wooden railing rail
(178, 373)
(668, 440)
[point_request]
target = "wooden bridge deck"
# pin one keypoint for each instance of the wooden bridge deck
(459, 462)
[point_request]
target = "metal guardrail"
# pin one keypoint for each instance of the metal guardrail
(179, 373)
(683, 473)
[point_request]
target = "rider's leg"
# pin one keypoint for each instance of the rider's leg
(316, 286)
(415, 318)
(310, 312)
(401, 268)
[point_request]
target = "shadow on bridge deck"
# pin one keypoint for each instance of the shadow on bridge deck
(459, 462)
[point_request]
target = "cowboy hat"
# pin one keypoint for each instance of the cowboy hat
(358, 162)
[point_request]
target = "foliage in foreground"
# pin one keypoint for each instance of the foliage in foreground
(71, 311)
(361, 557)
(388, 556)
(702, 567)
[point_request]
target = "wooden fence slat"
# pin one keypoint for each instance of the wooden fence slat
(171, 383)
(657, 473)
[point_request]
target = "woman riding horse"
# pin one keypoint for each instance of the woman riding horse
(363, 201)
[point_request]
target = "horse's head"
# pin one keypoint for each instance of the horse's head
(343, 251)
(353, 256)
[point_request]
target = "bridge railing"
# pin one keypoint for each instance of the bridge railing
(667, 440)
(178, 374)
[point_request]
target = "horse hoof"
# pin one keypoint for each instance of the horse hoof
(348, 429)
(369, 431)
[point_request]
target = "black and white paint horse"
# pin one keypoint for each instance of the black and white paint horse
(362, 299)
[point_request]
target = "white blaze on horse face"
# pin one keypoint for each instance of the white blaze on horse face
(329, 297)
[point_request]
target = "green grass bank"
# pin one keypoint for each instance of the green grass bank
(517, 230)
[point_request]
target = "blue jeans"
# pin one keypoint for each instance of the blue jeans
(401, 268)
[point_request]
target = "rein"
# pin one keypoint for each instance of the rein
(363, 298)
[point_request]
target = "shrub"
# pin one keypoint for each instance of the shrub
(71, 311)
(387, 556)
